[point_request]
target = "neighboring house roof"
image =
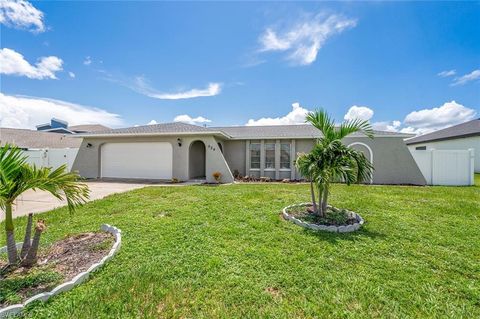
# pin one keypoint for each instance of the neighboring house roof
(285, 131)
(230, 132)
(471, 128)
(37, 139)
(88, 128)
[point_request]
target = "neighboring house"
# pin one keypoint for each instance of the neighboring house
(43, 148)
(459, 137)
(30, 139)
(60, 126)
(49, 147)
(184, 151)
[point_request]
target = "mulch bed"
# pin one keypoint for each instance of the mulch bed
(334, 216)
(61, 261)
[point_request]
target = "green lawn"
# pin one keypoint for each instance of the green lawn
(223, 252)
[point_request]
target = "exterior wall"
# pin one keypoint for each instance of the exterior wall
(455, 144)
(87, 162)
(393, 163)
(235, 152)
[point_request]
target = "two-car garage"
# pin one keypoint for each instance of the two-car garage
(148, 160)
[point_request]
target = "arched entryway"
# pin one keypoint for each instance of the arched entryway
(196, 160)
(365, 149)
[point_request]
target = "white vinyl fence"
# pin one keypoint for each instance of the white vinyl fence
(53, 157)
(446, 167)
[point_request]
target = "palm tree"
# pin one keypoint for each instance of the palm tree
(17, 176)
(330, 160)
(306, 165)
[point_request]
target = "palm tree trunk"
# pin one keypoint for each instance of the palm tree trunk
(10, 231)
(27, 239)
(31, 257)
(321, 213)
(324, 201)
(314, 202)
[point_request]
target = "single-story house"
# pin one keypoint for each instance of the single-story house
(458, 137)
(186, 152)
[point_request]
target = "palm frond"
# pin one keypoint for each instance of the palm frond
(353, 126)
(322, 121)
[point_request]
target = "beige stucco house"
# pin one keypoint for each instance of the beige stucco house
(186, 152)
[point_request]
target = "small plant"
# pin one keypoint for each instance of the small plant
(17, 177)
(236, 174)
(217, 176)
(174, 180)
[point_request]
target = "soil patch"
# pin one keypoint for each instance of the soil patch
(58, 263)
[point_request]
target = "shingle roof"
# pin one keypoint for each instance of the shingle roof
(235, 132)
(37, 139)
(165, 128)
(283, 131)
(466, 129)
(88, 128)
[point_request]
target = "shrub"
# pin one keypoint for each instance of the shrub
(217, 176)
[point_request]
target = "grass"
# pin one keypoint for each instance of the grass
(223, 252)
(13, 289)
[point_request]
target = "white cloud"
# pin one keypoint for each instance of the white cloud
(142, 86)
(191, 120)
(296, 116)
(359, 112)
(152, 122)
(21, 14)
(303, 40)
(392, 126)
(448, 73)
(71, 74)
(450, 113)
(13, 63)
(87, 61)
(472, 76)
(27, 112)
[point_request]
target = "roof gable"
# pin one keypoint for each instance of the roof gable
(470, 128)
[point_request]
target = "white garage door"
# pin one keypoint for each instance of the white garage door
(136, 160)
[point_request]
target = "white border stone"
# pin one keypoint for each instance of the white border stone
(333, 229)
(14, 310)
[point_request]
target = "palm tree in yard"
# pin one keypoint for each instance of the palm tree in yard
(330, 160)
(16, 177)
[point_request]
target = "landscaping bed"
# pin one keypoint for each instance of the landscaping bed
(58, 263)
(334, 220)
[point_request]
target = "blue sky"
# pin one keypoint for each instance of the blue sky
(126, 63)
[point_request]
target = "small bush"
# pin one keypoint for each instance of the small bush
(217, 176)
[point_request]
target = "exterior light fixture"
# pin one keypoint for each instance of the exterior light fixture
(179, 141)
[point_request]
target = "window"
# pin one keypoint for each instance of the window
(285, 156)
(269, 155)
(421, 148)
(255, 155)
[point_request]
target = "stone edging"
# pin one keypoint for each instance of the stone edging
(332, 229)
(77, 280)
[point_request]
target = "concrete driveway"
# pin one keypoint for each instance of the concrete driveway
(37, 202)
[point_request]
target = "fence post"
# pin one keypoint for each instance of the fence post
(432, 151)
(471, 152)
